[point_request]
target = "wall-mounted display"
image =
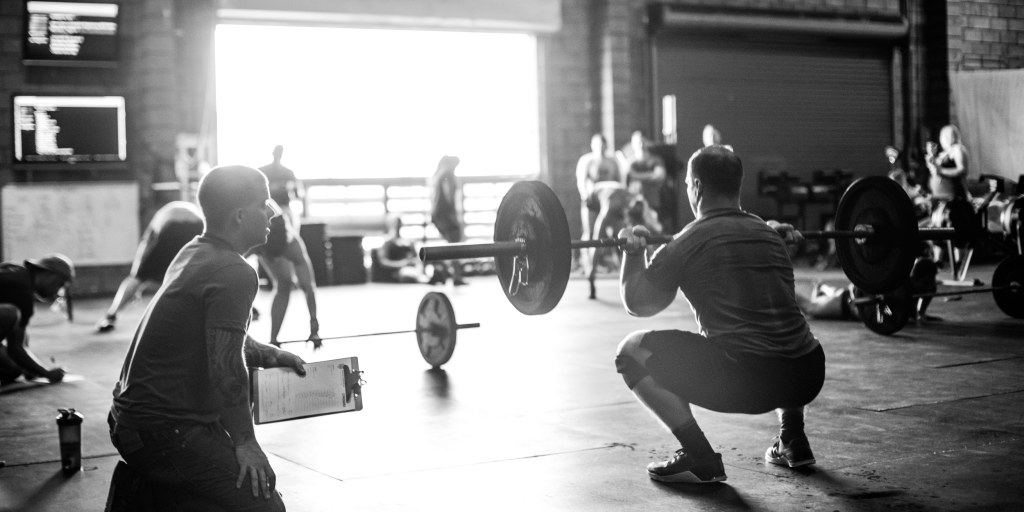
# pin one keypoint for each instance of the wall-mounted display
(69, 129)
(71, 33)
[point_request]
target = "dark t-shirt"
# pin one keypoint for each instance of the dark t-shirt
(444, 211)
(279, 177)
(946, 188)
(650, 189)
(735, 272)
(16, 289)
(165, 378)
(398, 249)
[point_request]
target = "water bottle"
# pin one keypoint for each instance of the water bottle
(69, 429)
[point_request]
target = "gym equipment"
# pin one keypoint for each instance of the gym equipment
(1008, 286)
(435, 330)
(877, 239)
(888, 313)
(1012, 221)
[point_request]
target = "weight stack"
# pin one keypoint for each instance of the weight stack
(348, 260)
(314, 236)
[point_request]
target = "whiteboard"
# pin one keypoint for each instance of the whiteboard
(92, 223)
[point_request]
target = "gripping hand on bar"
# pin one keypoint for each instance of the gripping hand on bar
(634, 240)
(788, 233)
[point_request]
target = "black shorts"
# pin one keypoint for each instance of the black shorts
(704, 373)
(277, 239)
(169, 241)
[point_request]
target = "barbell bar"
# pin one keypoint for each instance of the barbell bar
(435, 330)
(1013, 287)
(887, 313)
(519, 246)
(877, 240)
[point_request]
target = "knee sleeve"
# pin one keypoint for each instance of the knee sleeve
(632, 371)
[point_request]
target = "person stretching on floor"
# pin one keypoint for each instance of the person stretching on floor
(20, 287)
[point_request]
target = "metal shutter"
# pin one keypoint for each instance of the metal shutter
(791, 105)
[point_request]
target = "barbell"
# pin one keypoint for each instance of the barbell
(435, 330)
(889, 312)
(877, 240)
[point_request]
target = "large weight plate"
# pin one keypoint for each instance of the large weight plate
(890, 313)
(530, 210)
(880, 263)
(1008, 271)
(436, 329)
(1010, 218)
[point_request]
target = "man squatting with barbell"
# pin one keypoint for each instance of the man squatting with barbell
(754, 351)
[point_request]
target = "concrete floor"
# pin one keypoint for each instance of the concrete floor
(530, 414)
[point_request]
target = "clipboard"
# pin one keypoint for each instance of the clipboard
(329, 387)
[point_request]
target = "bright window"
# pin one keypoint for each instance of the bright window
(365, 103)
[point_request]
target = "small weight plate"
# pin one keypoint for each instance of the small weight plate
(890, 313)
(1010, 270)
(882, 262)
(531, 211)
(436, 329)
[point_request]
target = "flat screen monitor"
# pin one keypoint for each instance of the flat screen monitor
(70, 33)
(69, 129)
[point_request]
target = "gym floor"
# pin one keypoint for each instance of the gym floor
(530, 414)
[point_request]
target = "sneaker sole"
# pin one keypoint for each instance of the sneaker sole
(782, 461)
(686, 477)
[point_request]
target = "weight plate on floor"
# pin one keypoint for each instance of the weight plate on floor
(1011, 301)
(531, 211)
(882, 262)
(888, 314)
(436, 329)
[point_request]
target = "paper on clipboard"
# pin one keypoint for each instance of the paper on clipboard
(329, 387)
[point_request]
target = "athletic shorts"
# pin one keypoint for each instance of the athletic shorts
(169, 242)
(705, 373)
(277, 239)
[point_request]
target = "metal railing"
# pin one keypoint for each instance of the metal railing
(361, 206)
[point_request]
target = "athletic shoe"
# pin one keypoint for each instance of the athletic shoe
(686, 469)
(106, 324)
(794, 454)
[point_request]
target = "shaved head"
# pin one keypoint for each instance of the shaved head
(228, 188)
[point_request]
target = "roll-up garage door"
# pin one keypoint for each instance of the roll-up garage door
(785, 104)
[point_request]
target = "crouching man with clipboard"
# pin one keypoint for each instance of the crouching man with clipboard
(181, 415)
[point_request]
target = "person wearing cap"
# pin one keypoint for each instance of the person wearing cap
(20, 287)
(181, 414)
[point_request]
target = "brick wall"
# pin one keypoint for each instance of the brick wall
(570, 100)
(985, 34)
(147, 76)
(982, 35)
